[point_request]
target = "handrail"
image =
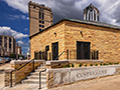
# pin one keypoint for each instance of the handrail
(62, 53)
(21, 68)
(25, 64)
(40, 77)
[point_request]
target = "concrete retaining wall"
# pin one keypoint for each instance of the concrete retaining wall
(64, 76)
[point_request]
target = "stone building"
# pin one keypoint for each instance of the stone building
(7, 45)
(40, 17)
(77, 39)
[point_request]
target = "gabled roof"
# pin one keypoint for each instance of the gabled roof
(95, 23)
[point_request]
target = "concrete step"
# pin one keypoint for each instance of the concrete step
(42, 67)
(33, 81)
(37, 73)
(38, 70)
(36, 77)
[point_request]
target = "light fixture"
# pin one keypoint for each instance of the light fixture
(81, 33)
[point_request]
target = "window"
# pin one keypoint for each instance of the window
(39, 14)
(43, 22)
(39, 25)
(34, 6)
(40, 30)
(10, 42)
(42, 15)
(42, 26)
(5, 43)
(0, 40)
(40, 21)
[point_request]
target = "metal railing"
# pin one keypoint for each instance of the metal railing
(62, 53)
(21, 68)
(40, 78)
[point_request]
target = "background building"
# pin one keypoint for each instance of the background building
(18, 50)
(40, 17)
(7, 45)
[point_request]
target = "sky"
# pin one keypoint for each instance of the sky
(14, 17)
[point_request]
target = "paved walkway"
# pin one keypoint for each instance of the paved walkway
(2, 67)
(106, 83)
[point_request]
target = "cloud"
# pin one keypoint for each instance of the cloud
(22, 43)
(26, 29)
(109, 9)
(14, 17)
(8, 31)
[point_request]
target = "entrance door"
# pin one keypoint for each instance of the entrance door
(83, 50)
(55, 51)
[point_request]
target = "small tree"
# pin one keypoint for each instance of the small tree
(12, 56)
(21, 56)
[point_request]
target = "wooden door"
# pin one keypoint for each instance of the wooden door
(83, 50)
(55, 51)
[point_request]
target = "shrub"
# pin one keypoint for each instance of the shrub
(96, 64)
(72, 65)
(101, 64)
(64, 66)
(104, 64)
(85, 65)
(91, 64)
(117, 62)
(68, 65)
(80, 64)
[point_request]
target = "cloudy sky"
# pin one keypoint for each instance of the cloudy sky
(14, 18)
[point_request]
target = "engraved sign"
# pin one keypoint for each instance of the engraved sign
(79, 75)
(88, 73)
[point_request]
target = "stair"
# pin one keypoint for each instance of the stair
(34, 77)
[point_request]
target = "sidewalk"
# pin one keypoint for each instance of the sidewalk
(106, 83)
(7, 65)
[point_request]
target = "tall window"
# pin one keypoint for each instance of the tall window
(0, 40)
(39, 14)
(43, 22)
(10, 42)
(5, 44)
(14, 44)
(42, 15)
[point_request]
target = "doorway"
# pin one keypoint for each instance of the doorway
(55, 51)
(83, 50)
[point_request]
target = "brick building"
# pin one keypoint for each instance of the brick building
(40, 17)
(77, 39)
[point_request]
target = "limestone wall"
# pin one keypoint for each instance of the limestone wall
(46, 38)
(105, 40)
